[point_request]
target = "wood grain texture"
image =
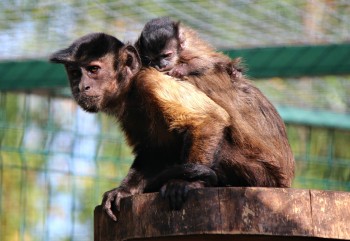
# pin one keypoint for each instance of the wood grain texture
(331, 214)
(231, 214)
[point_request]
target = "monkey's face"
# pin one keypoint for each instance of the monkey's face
(164, 59)
(100, 69)
(93, 83)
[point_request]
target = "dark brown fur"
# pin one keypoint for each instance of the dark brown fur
(179, 134)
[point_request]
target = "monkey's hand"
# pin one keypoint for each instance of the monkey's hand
(176, 191)
(179, 71)
(111, 201)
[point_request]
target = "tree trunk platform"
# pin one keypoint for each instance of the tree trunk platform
(231, 214)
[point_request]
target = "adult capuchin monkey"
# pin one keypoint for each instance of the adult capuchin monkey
(173, 136)
(181, 138)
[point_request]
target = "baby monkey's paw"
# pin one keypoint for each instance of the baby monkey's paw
(179, 71)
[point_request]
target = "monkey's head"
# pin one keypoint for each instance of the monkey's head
(160, 43)
(99, 69)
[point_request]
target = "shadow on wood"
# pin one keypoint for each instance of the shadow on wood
(231, 214)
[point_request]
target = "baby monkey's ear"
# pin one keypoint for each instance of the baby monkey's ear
(180, 33)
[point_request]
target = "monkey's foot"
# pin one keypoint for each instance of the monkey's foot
(111, 201)
(176, 191)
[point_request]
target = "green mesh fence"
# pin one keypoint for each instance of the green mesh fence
(56, 161)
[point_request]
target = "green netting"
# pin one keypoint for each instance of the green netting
(34, 28)
(56, 161)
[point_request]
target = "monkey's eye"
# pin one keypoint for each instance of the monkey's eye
(93, 69)
(166, 55)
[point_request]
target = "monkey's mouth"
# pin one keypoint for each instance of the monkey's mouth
(88, 103)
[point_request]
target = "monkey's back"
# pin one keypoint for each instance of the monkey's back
(257, 130)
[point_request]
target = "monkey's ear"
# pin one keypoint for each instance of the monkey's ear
(132, 60)
(138, 43)
(62, 56)
(180, 34)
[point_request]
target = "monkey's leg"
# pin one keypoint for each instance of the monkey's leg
(187, 171)
(175, 182)
(176, 191)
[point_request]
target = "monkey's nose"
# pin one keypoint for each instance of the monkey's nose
(83, 87)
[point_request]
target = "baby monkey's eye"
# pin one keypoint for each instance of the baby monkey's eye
(167, 55)
(93, 69)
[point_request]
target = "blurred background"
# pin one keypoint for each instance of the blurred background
(56, 161)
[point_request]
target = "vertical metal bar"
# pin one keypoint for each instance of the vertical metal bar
(96, 177)
(2, 118)
(330, 149)
(24, 170)
(308, 145)
(49, 127)
(330, 155)
(72, 179)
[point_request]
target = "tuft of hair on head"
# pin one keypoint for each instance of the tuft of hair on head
(156, 23)
(158, 32)
(88, 47)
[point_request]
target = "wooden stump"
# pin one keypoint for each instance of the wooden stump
(231, 214)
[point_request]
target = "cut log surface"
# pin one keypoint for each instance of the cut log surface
(231, 214)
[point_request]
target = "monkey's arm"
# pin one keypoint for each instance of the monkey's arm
(195, 66)
(194, 62)
(133, 183)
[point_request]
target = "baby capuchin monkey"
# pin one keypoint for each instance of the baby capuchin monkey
(177, 50)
